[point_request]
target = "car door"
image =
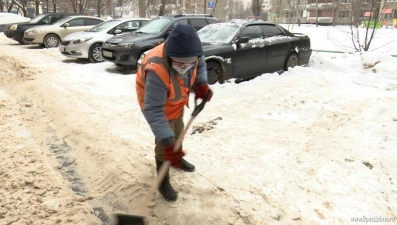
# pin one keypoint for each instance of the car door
(75, 25)
(278, 47)
(250, 57)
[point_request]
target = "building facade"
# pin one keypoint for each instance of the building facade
(327, 12)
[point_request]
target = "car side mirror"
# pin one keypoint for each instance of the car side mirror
(117, 32)
(65, 25)
(242, 40)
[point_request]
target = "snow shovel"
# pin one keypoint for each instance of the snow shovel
(124, 219)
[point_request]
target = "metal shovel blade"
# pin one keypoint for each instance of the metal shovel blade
(123, 219)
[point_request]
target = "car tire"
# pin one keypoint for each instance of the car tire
(51, 41)
(95, 53)
(292, 61)
(214, 72)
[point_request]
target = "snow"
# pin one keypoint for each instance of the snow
(314, 145)
(6, 18)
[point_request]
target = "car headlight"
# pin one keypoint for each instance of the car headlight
(81, 40)
(34, 31)
(125, 45)
(13, 27)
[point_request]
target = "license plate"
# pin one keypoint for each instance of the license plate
(107, 54)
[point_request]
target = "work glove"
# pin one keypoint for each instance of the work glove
(173, 157)
(203, 91)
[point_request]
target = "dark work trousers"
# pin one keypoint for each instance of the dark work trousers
(177, 126)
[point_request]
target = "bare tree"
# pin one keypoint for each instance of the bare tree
(375, 13)
(102, 5)
(22, 5)
(231, 9)
(55, 4)
(256, 8)
(334, 14)
(78, 6)
(2, 5)
(6, 5)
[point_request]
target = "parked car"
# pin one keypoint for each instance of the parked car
(247, 49)
(15, 31)
(125, 50)
(88, 44)
(51, 35)
(11, 18)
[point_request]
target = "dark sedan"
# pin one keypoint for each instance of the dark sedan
(244, 50)
(126, 50)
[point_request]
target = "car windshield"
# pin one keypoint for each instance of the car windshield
(37, 18)
(105, 26)
(218, 32)
(154, 26)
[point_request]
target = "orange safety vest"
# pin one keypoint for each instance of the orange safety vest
(177, 94)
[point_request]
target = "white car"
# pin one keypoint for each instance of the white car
(8, 18)
(88, 44)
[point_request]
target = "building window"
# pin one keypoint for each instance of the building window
(278, 3)
(343, 14)
(345, 1)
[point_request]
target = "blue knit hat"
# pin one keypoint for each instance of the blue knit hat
(183, 41)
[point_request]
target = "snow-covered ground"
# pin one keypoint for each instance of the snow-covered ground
(339, 38)
(316, 145)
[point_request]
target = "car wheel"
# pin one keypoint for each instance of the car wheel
(214, 72)
(95, 53)
(292, 61)
(51, 41)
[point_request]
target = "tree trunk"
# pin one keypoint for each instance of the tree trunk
(99, 8)
(10, 7)
(162, 7)
(142, 8)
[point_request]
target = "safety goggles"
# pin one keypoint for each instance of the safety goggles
(182, 64)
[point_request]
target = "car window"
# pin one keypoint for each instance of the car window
(55, 18)
(46, 20)
(271, 30)
(76, 22)
(210, 21)
(198, 23)
(155, 26)
(128, 26)
(91, 22)
(142, 22)
(37, 18)
(252, 32)
(184, 21)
